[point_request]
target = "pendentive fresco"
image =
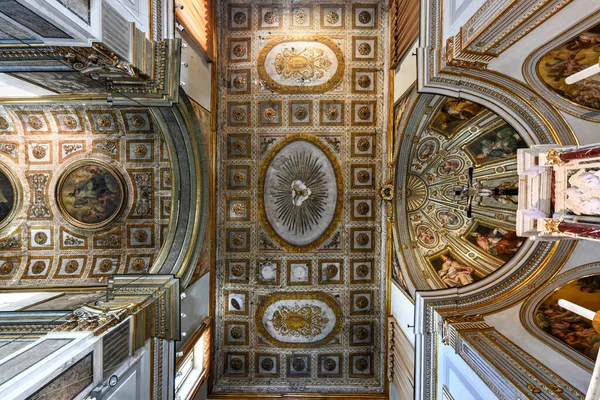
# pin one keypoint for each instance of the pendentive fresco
(567, 327)
(299, 299)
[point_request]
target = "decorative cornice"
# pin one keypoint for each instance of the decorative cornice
(508, 370)
(94, 319)
(497, 25)
(125, 83)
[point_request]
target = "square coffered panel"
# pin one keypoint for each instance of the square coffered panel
(270, 17)
(300, 113)
(239, 81)
(301, 17)
(364, 48)
(239, 17)
(239, 145)
(333, 16)
(364, 16)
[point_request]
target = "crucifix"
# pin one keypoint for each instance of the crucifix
(502, 193)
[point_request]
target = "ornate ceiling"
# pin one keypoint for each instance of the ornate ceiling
(85, 193)
(300, 297)
(436, 244)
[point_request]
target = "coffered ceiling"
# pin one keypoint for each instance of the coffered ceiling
(300, 285)
(85, 193)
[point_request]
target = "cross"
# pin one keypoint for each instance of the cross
(469, 192)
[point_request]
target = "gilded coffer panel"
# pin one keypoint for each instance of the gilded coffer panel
(85, 193)
(299, 281)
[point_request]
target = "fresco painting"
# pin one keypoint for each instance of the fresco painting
(567, 327)
(569, 58)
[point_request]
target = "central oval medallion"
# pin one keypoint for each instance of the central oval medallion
(301, 65)
(301, 192)
(91, 194)
(299, 319)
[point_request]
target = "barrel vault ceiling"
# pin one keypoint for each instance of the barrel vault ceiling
(300, 299)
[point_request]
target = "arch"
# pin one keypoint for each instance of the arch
(493, 223)
(543, 295)
(535, 80)
(189, 219)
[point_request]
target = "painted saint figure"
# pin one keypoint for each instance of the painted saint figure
(425, 235)
(503, 144)
(448, 218)
(457, 110)
(455, 274)
(498, 242)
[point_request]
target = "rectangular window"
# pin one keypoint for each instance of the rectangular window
(196, 17)
(192, 367)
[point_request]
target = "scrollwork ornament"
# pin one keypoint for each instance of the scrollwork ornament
(553, 157)
(551, 226)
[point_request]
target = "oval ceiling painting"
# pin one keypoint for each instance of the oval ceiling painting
(575, 55)
(312, 65)
(8, 196)
(90, 194)
(299, 319)
(301, 192)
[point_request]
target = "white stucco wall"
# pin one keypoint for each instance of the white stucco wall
(402, 308)
(456, 375)
(406, 72)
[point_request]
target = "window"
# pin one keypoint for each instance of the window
(192, 367)
(196, 17)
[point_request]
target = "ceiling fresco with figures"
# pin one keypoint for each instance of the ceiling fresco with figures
(570, 52)
(575, 55)
(85, 193)
(300, 299)
(453, 229)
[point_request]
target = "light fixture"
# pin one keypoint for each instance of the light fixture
(112, 381)
(586, 73)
